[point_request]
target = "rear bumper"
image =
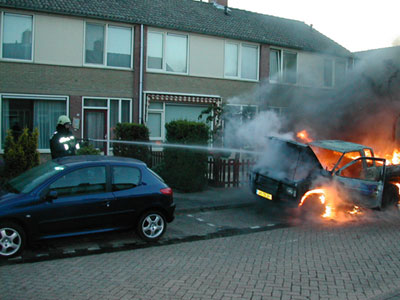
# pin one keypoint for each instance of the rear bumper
(170, 213)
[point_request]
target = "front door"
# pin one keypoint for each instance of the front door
(95, 127)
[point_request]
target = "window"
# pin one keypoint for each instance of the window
(115, 41)
(283, 66)
(125, 178)
(167, 52)
(328, 72)
(239, 113)
(42, 112)
(83, 181)
(17, 36)
(241, 61)
(120, 112)
(161, 113)
(334, 72)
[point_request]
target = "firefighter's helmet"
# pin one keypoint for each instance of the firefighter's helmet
(63, 120)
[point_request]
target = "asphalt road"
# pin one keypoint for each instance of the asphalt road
(255, 252)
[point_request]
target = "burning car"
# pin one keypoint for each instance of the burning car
(305, 170)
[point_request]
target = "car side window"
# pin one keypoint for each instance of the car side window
(363, 169)
(124, 178)
(89, 180)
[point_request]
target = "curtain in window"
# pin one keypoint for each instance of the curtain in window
(231, 59)
(154, 124)
(289, 67)
(249, 62)
(154, 50)
(119, 47)
(17, 37)
(45, 116)
(176, 53)
(94, 44)
(5, 124)
(328, 72)
(274, 65)
(184, 112)
(95, 124)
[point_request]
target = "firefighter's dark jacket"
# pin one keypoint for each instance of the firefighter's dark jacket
(62, 143)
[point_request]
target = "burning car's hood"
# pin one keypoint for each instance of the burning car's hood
(288, 161)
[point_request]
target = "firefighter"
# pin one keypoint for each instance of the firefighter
(63, 143)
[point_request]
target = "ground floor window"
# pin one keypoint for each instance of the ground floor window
(26, 111)
(100, 117)
(161, 113)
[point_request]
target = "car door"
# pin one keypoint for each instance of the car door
(363, 180)
(81, 203)
(130, 195)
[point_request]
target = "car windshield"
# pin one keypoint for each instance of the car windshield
(30, 179)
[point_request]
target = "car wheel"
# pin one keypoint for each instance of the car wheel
(312, 208)
(12, 239)
(151, 226)
(390, 197)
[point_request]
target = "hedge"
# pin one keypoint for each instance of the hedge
(185, 169)
(132, 132)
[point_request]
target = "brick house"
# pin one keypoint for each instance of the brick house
(107, 61)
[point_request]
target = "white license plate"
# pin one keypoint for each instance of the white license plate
(264, 194)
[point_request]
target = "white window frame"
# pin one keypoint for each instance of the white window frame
(160, 111)
(108, 108)
(239, 61)
(32, 97)
(164, 46)
(242, 106)
(333, 62)
(2, 36)
(280, 67)
(104, 65)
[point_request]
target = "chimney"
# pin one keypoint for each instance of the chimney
(220, 2)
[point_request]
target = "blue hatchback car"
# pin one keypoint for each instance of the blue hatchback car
(83, 194)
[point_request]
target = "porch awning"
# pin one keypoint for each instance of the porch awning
(181, 98)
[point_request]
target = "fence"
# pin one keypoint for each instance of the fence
(220, 172)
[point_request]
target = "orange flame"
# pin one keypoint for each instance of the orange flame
(303, 136)
(329, 198)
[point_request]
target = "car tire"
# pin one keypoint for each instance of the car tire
(12, 239)
(390, 197)
(312, 208)
(151, 226)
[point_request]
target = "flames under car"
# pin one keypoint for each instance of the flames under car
(290, 169)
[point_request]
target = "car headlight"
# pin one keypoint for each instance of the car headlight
(290, 191)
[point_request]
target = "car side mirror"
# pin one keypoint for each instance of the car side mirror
(52, 195)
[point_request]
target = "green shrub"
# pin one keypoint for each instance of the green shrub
(87, 149)
(185, 169)
(132, 132)
(21, 154)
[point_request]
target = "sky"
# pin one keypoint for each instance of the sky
(357, 25)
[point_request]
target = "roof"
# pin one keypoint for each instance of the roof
(193, 16)
(340, 146)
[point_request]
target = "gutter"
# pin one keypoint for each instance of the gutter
(141, 77)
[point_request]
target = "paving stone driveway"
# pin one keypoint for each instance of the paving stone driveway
(356, 260)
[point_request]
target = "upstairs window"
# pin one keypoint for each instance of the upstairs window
(108, 45)
(241, 61)
(334, 72)
(17, 37)
(283, 66)
(167, 52)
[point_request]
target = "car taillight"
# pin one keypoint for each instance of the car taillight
(167, 191)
